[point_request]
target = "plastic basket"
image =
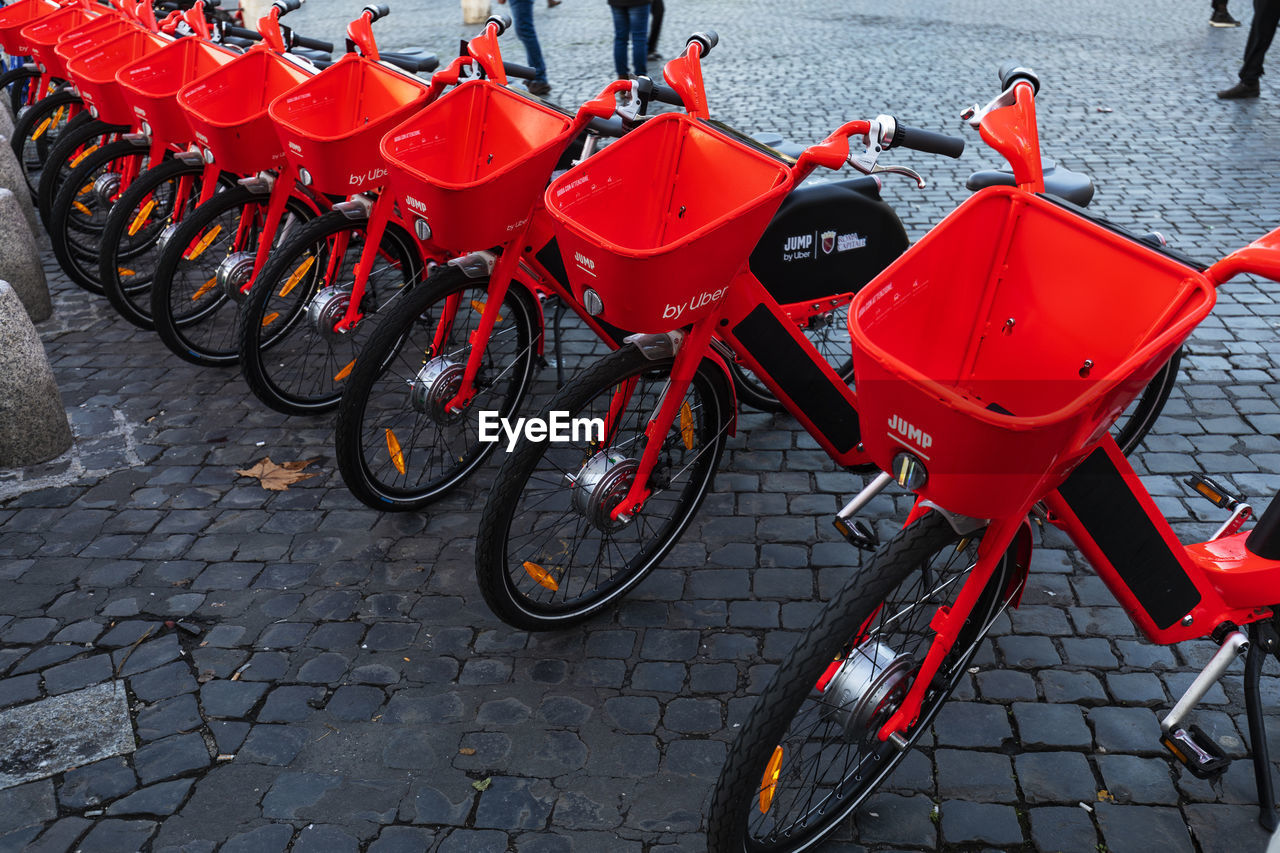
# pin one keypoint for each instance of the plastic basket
(659, 222)
(15, 17)
(334, 122)
(94, 72)
(227, 109)
(151, 84)
(474, 163)
(91, 34)
(1004, 344)
(43, 35)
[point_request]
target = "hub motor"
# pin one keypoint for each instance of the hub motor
(166, 234)
(234, 273)
(106, 187)
(867, 688)
(435, 385)
(600, 485)
(326, 308)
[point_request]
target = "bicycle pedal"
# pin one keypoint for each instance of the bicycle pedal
(1197, 751)
(858, 534)
(1213, 491)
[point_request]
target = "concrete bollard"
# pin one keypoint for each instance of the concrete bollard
(475, 11)
(33, 424)
(6, 118)
(11, 178)
(20, 259)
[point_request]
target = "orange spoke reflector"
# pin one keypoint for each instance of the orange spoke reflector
(83, 154)
(297, 275)
(270, 318)
(686, 425)
(770, 780)
(479, 307)
(541, 575)
(85, 189)
(138, 221)
(124, 273)
(57, 117)
(199, 248)
(205, 288)
(44, 125)
(397, 455)
(82, 207)
(344, 373)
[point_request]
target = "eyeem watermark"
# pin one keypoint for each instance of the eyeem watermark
(558, 427)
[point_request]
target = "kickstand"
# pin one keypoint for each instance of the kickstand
(555, 325)
(1262, 642)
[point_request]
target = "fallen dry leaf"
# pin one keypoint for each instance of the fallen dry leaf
(278, 478)
(467, 750)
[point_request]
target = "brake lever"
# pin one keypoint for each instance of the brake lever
(975, 114)
(866, 161)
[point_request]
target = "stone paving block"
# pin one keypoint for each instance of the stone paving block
(1136, 828)
(1067, 829)
(271, 838)
(896, 820)
(27, 805)
(1129, 730)
(275, 745)
(975, 776)
(979, 823)
(112, 836)
(969, 724)
(169, 757)
(1055, 777)
(1042, 726)
(157, 800)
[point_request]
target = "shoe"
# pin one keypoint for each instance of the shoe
(1219, 18)
(538, 87)
(654, 55)
(551, 4)
(1240, 90)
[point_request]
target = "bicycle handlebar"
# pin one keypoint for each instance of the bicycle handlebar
(649, 90)
(1010, 72)
(926, 140)
(296, 40)
(287, 6)
(521, 72)
(379, 11)
(232, 31)
(503, 22)
(707, 39)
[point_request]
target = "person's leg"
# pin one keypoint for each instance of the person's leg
(1266, 15)
(522, 11)
(656, 9)
(620, 21)
(640, 38)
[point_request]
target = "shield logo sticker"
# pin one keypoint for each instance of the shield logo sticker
(828, 242)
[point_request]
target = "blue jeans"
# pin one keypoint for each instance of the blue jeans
(634, 23)
(522, 11)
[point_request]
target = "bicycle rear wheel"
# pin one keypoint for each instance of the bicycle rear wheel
(548, 552)
(809, 753)
(397, 446)
(292, 358)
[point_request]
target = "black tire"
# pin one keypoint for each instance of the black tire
(541, 547)
(77, 141)
(131, 237)
(17, 82)
(82, 205)
(380, 431)
(288, 363)
(193, 315)
(1137, 420)
(824, 773)
(37, 129)
(829, 333)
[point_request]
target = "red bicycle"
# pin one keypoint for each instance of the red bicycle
(572, 525)
(991, 386)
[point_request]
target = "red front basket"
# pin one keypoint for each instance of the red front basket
(43, 35)
(228, 110)
(94, 73)
(91, 35)
(334, 122)
(474, 162)
(16, 16)
(1005, 343)
(659, 222)
(151, 85)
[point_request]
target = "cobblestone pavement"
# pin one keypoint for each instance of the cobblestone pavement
(303, 671)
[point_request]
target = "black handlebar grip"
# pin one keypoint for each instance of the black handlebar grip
(212, 4)
(240, 33)
(296, 40)
(1011, 72)
(503, 22)
(707, 38)
(926, 141)
(522, 72)
(652, 91)
(287, 6)
(379, 11)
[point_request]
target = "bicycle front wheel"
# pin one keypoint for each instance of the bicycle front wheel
(809, 752)
(548, 551)
(1137, 420)
(292, 357)
(38, 128)
(398, 448)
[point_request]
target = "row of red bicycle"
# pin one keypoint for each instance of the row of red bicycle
(357, 237)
